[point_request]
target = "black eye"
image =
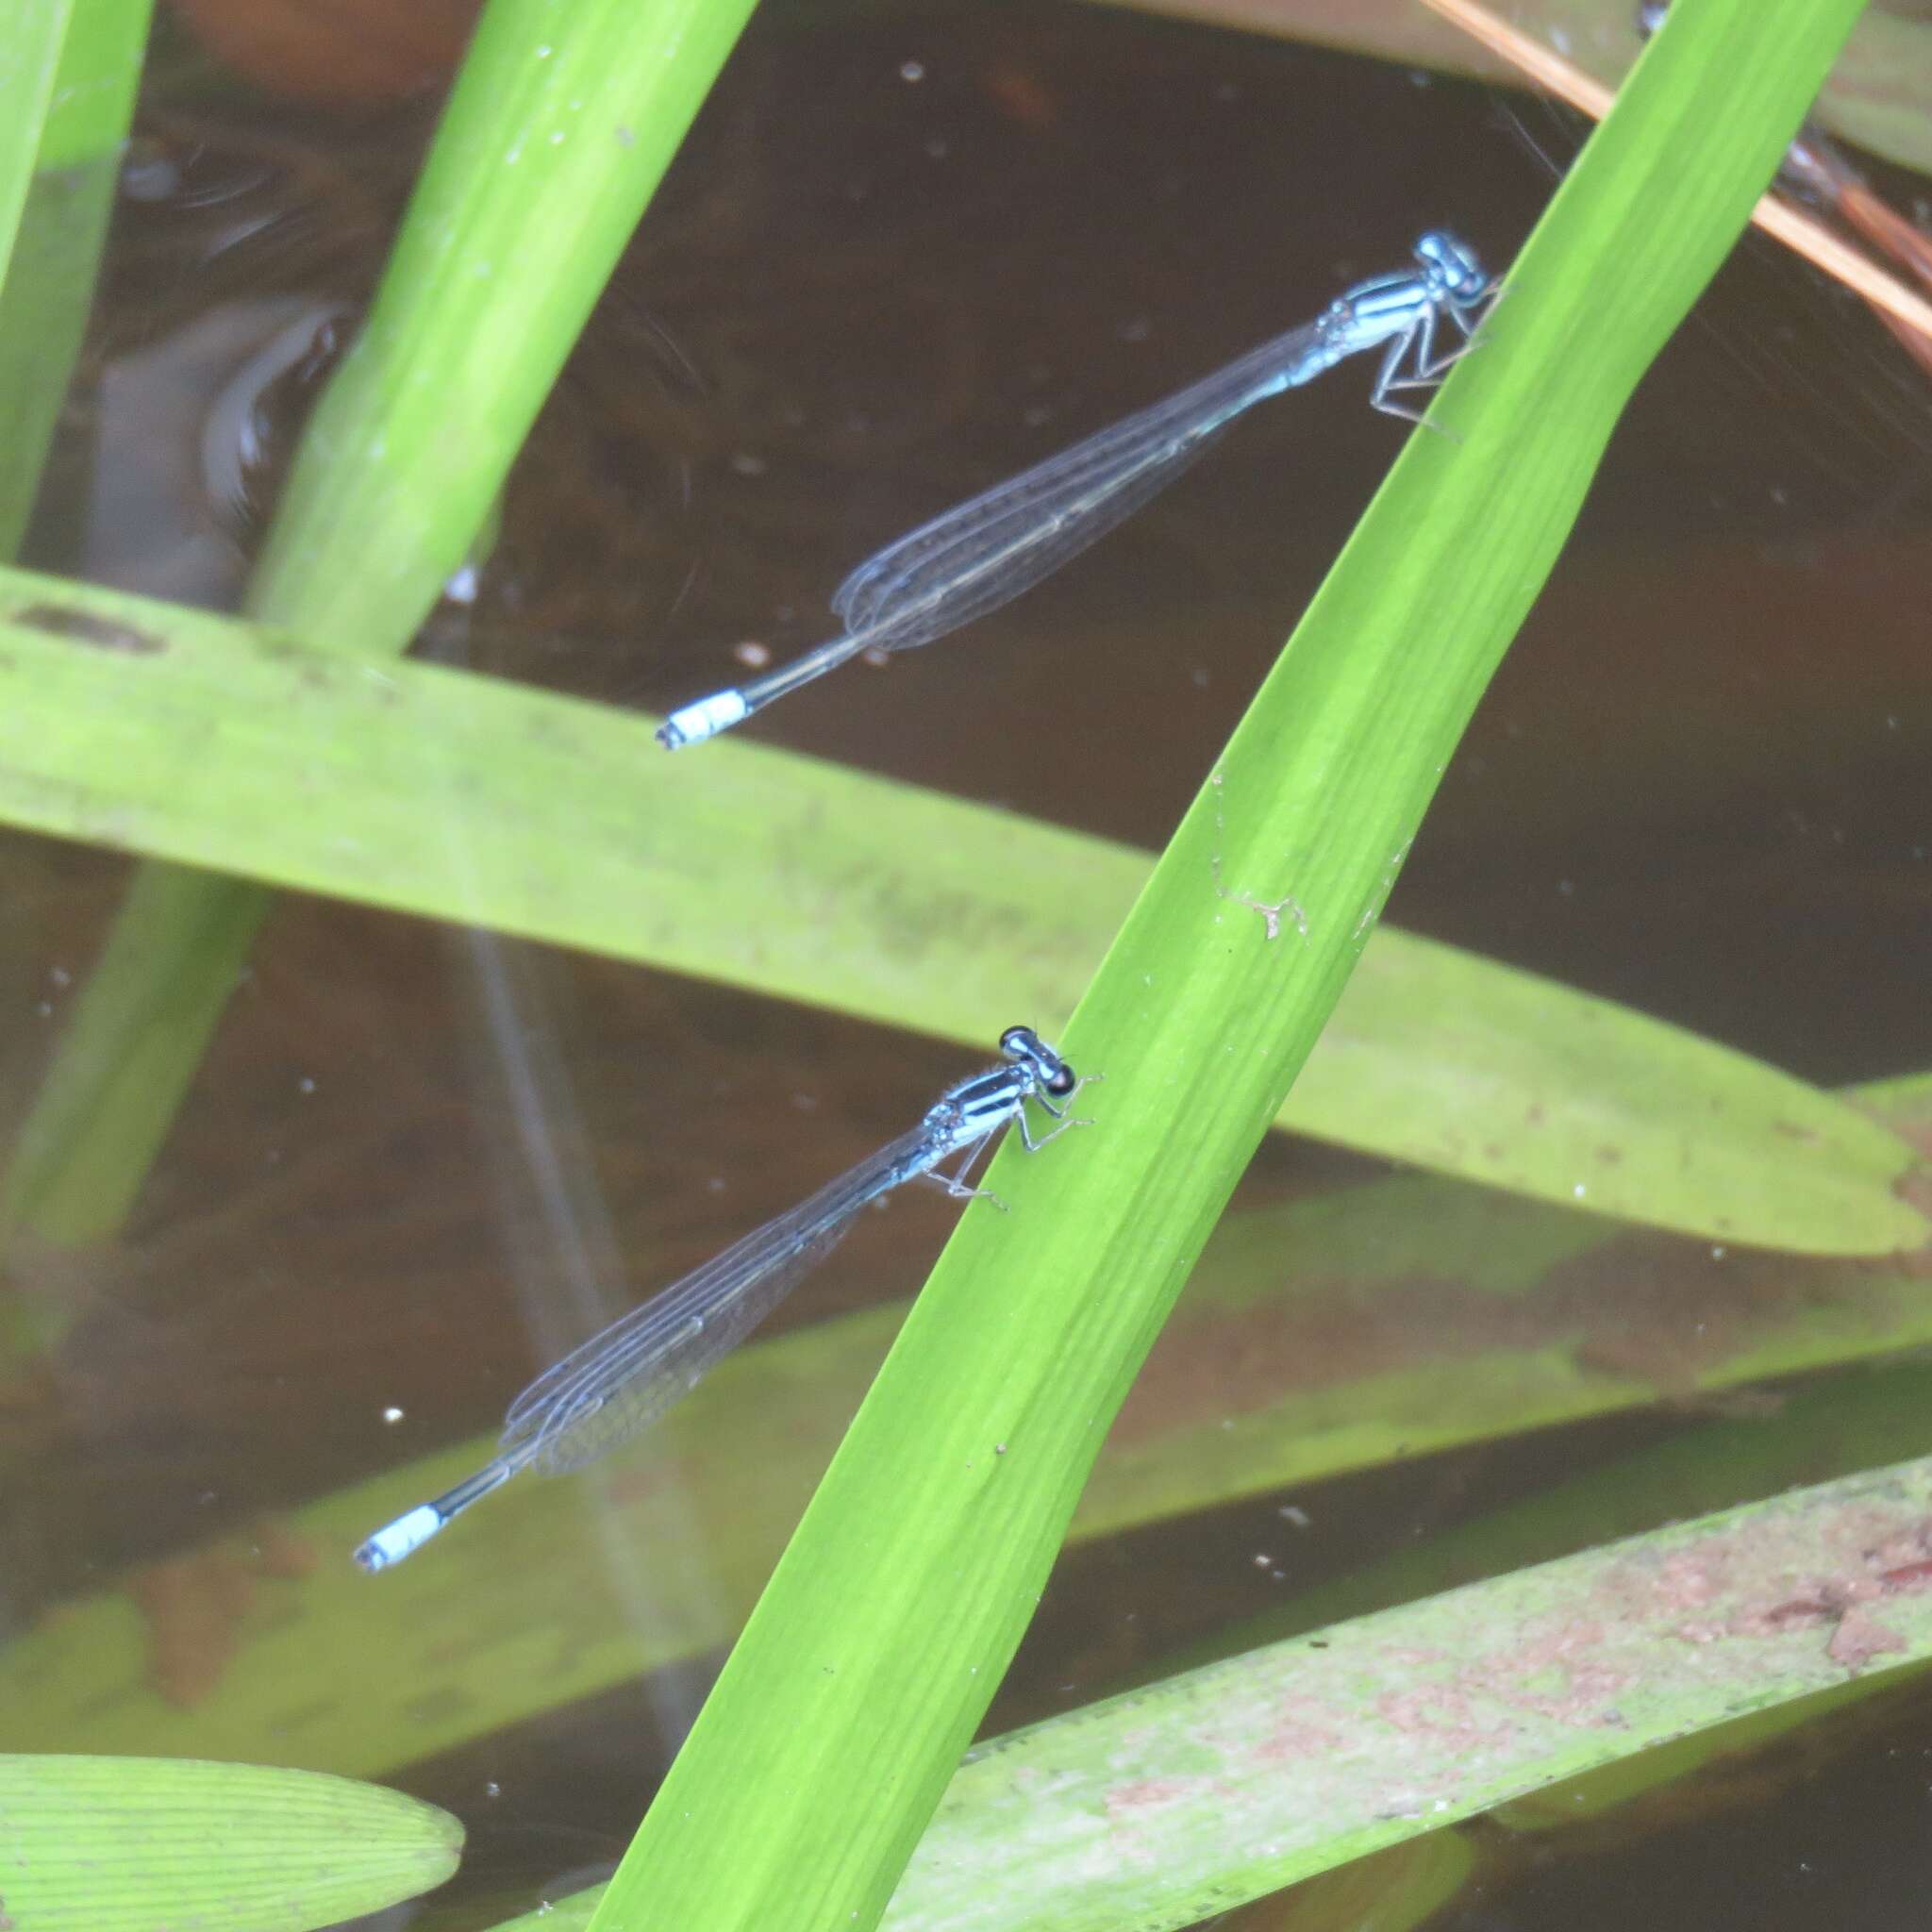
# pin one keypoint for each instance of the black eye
(1019, 1043)
(1063, 1082)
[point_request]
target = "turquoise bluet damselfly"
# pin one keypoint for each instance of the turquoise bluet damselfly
(986, 551)
(620, 1381)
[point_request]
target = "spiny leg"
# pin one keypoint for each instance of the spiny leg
(1430, 368)
(1387, 378)
(955, 1183)
(1469, 317)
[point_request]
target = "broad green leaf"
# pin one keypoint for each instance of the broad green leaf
(195, 737)
(1249, 1774)
(1195, 1794)
(161, 1845)
(1822, 1427)
(827, 1742)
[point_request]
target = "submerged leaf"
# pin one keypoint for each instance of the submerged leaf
(337, 775)
(152, 1844)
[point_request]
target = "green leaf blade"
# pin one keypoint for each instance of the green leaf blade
(1197, 1794)
(827, 1742)
(130, 1844)
(1201, 1792)
(1457, 1065)
(228, 746)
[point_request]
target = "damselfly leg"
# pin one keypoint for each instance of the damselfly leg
(1417, 344)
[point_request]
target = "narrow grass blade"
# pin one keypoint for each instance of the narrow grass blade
(560, 124)
(49, 282)
(35, 31)
(827, 1740)
(139, 1029)
(130, 1844)
(196, 737)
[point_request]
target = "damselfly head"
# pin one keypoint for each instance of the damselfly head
(1023, 1044)
(1451, 265)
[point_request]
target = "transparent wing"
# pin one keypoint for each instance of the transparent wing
(623, 1379)
(620, 1401)
(985, 551)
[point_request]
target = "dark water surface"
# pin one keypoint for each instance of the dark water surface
(904, 256)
